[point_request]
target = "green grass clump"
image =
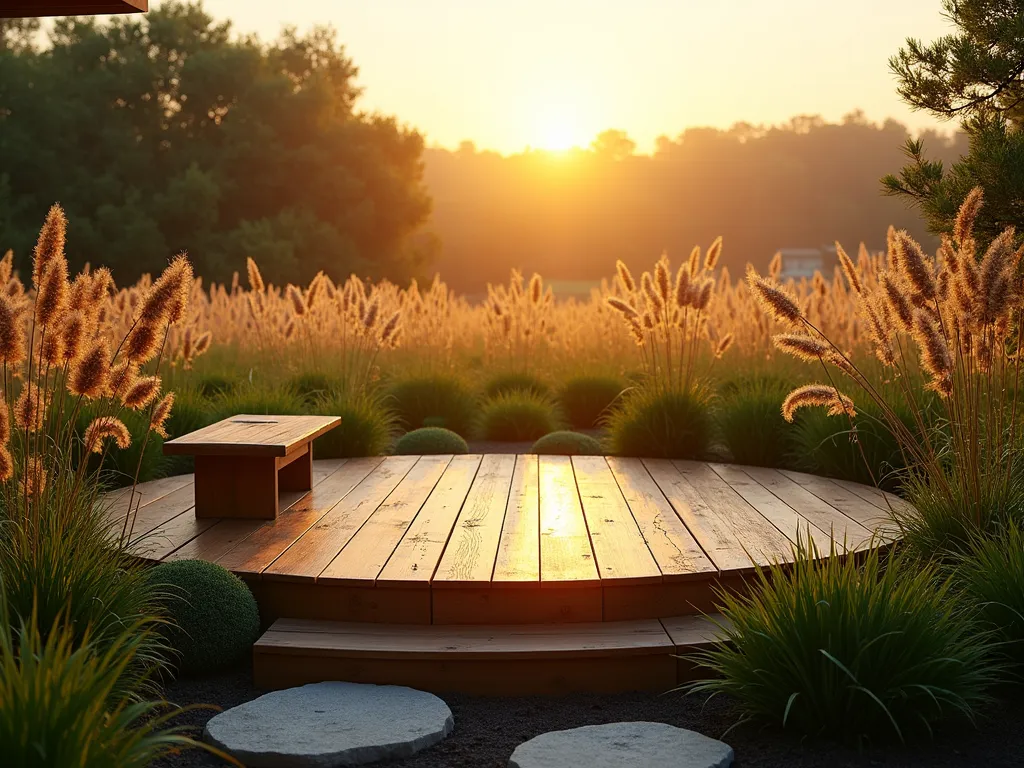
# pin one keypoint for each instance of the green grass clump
(750, 423)
(653, 424)
(428, 441)
(992, 574)
(61, 703)
(511, 382)
(214, 385)
(366, 428)
(564, 443)
(851, 651)
(312, 387)
(213, 616)
(586, 400)
(279, 401)
(518, 416)
(435, 401)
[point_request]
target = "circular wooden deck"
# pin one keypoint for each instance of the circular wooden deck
(505, 539)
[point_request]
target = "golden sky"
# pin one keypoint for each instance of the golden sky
(554, 73)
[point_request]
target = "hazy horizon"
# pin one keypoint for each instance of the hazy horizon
(554, 75)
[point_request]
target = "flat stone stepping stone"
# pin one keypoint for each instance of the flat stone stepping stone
(331, 724)
(618, 745)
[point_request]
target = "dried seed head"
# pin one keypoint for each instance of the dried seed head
(849, 269)
(255, 278)
(5, 421)
(915, 267)
(90, 375)
(662, 280)
(694, 263)
(625, 276)
(898, 302)
(776, 302)
(723, 345)
(536, 289)
(6, 464)
(142, 392)
(50, 245)
(963, 226)
(703, 295)
(30, 407)
(12, 334)
(142, 343)
(816, 395)
(935, 356)
(103, 428)
(801, 345)
(620, 306)
(52, 295)
(682, 287)
(122, 378)
(775, 266)
(713, 253)
(298, 303)
(51, 350)
(647, 285)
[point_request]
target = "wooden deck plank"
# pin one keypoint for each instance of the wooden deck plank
(472, 548)
(258, 550)
(451, 642)
(619, 548)
(518, 559)
(366, 553)
(162, 510)
(760, 537)
(116, 502)
(677, 553)
(885, 501)
(566, 554)
(824, 516)
(850, 504)
(417, 554)
(215, 542)
(779, 513)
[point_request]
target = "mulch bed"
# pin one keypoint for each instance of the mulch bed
(488, 729)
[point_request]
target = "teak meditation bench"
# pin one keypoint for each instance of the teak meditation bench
(243, 462)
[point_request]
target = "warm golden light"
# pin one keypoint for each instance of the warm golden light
(557, 131)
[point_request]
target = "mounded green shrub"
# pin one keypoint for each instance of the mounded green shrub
(851, 650)
(435, 401)
(750, 423)
(565, 443)
(518, 416)
(213, 616)
(428, 441)
(312, 387)
(587, 400)
(992, 574)
(366, 428)
(511, 382)
(663, 425)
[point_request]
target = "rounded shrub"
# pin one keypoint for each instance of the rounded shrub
(213, 617)
(851, 650)
(586, 400)
(512, 382)
(214, 385)
(565, 443)
(428, 441)
(517, 416)
(750, 423)
(661, 425)
(311, 387)
(366, 428)
(436, 401)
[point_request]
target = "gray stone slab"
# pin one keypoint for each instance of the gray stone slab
(618, 745)
(331, 724)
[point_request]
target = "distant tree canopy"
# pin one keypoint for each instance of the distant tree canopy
(977, 75)
(166, 133)
(570, 216)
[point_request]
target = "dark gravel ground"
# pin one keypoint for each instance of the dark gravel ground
(488, 729)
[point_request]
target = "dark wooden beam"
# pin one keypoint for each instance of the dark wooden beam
(17, 9)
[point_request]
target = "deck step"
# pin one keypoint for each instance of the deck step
(499, 660)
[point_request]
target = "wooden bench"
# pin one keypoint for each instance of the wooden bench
(242, 463)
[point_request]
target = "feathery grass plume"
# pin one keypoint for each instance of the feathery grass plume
(620, 306)
(703, 295)
(810, 395)
(160, 415)
(6, 267)
(102, 428)
(12, 334)
(101, 284)
(202, 343)
(390, 327)
(316, 287)
(625, 276)
(694, 263)
(371, 316)
(5, 421)
(775, 266)
(774, 300)
(122, 378)
(255, 278)
(662, 279)
(711, 259)
(30, 407)
(536, 288)
(849, 269)
(298, 302)
(142, 392)
(801, 345)
(914, 265)
(994, 287)
(6, 464)
(647, 320)
(51, 351)
(942, 283)
(935, 356)
(52, 294)
(682, 287)
(963, 226)
(898, 302)
(637, 331)
(651, 293)
(168, 298)
(142, 343)
(50, 245)
(33, 477)
(78, 293)
(91, 374)
(723, 345)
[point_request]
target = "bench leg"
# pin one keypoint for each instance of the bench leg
(297, 474)
(236, 486)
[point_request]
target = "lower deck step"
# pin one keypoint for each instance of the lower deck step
(499, 660)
